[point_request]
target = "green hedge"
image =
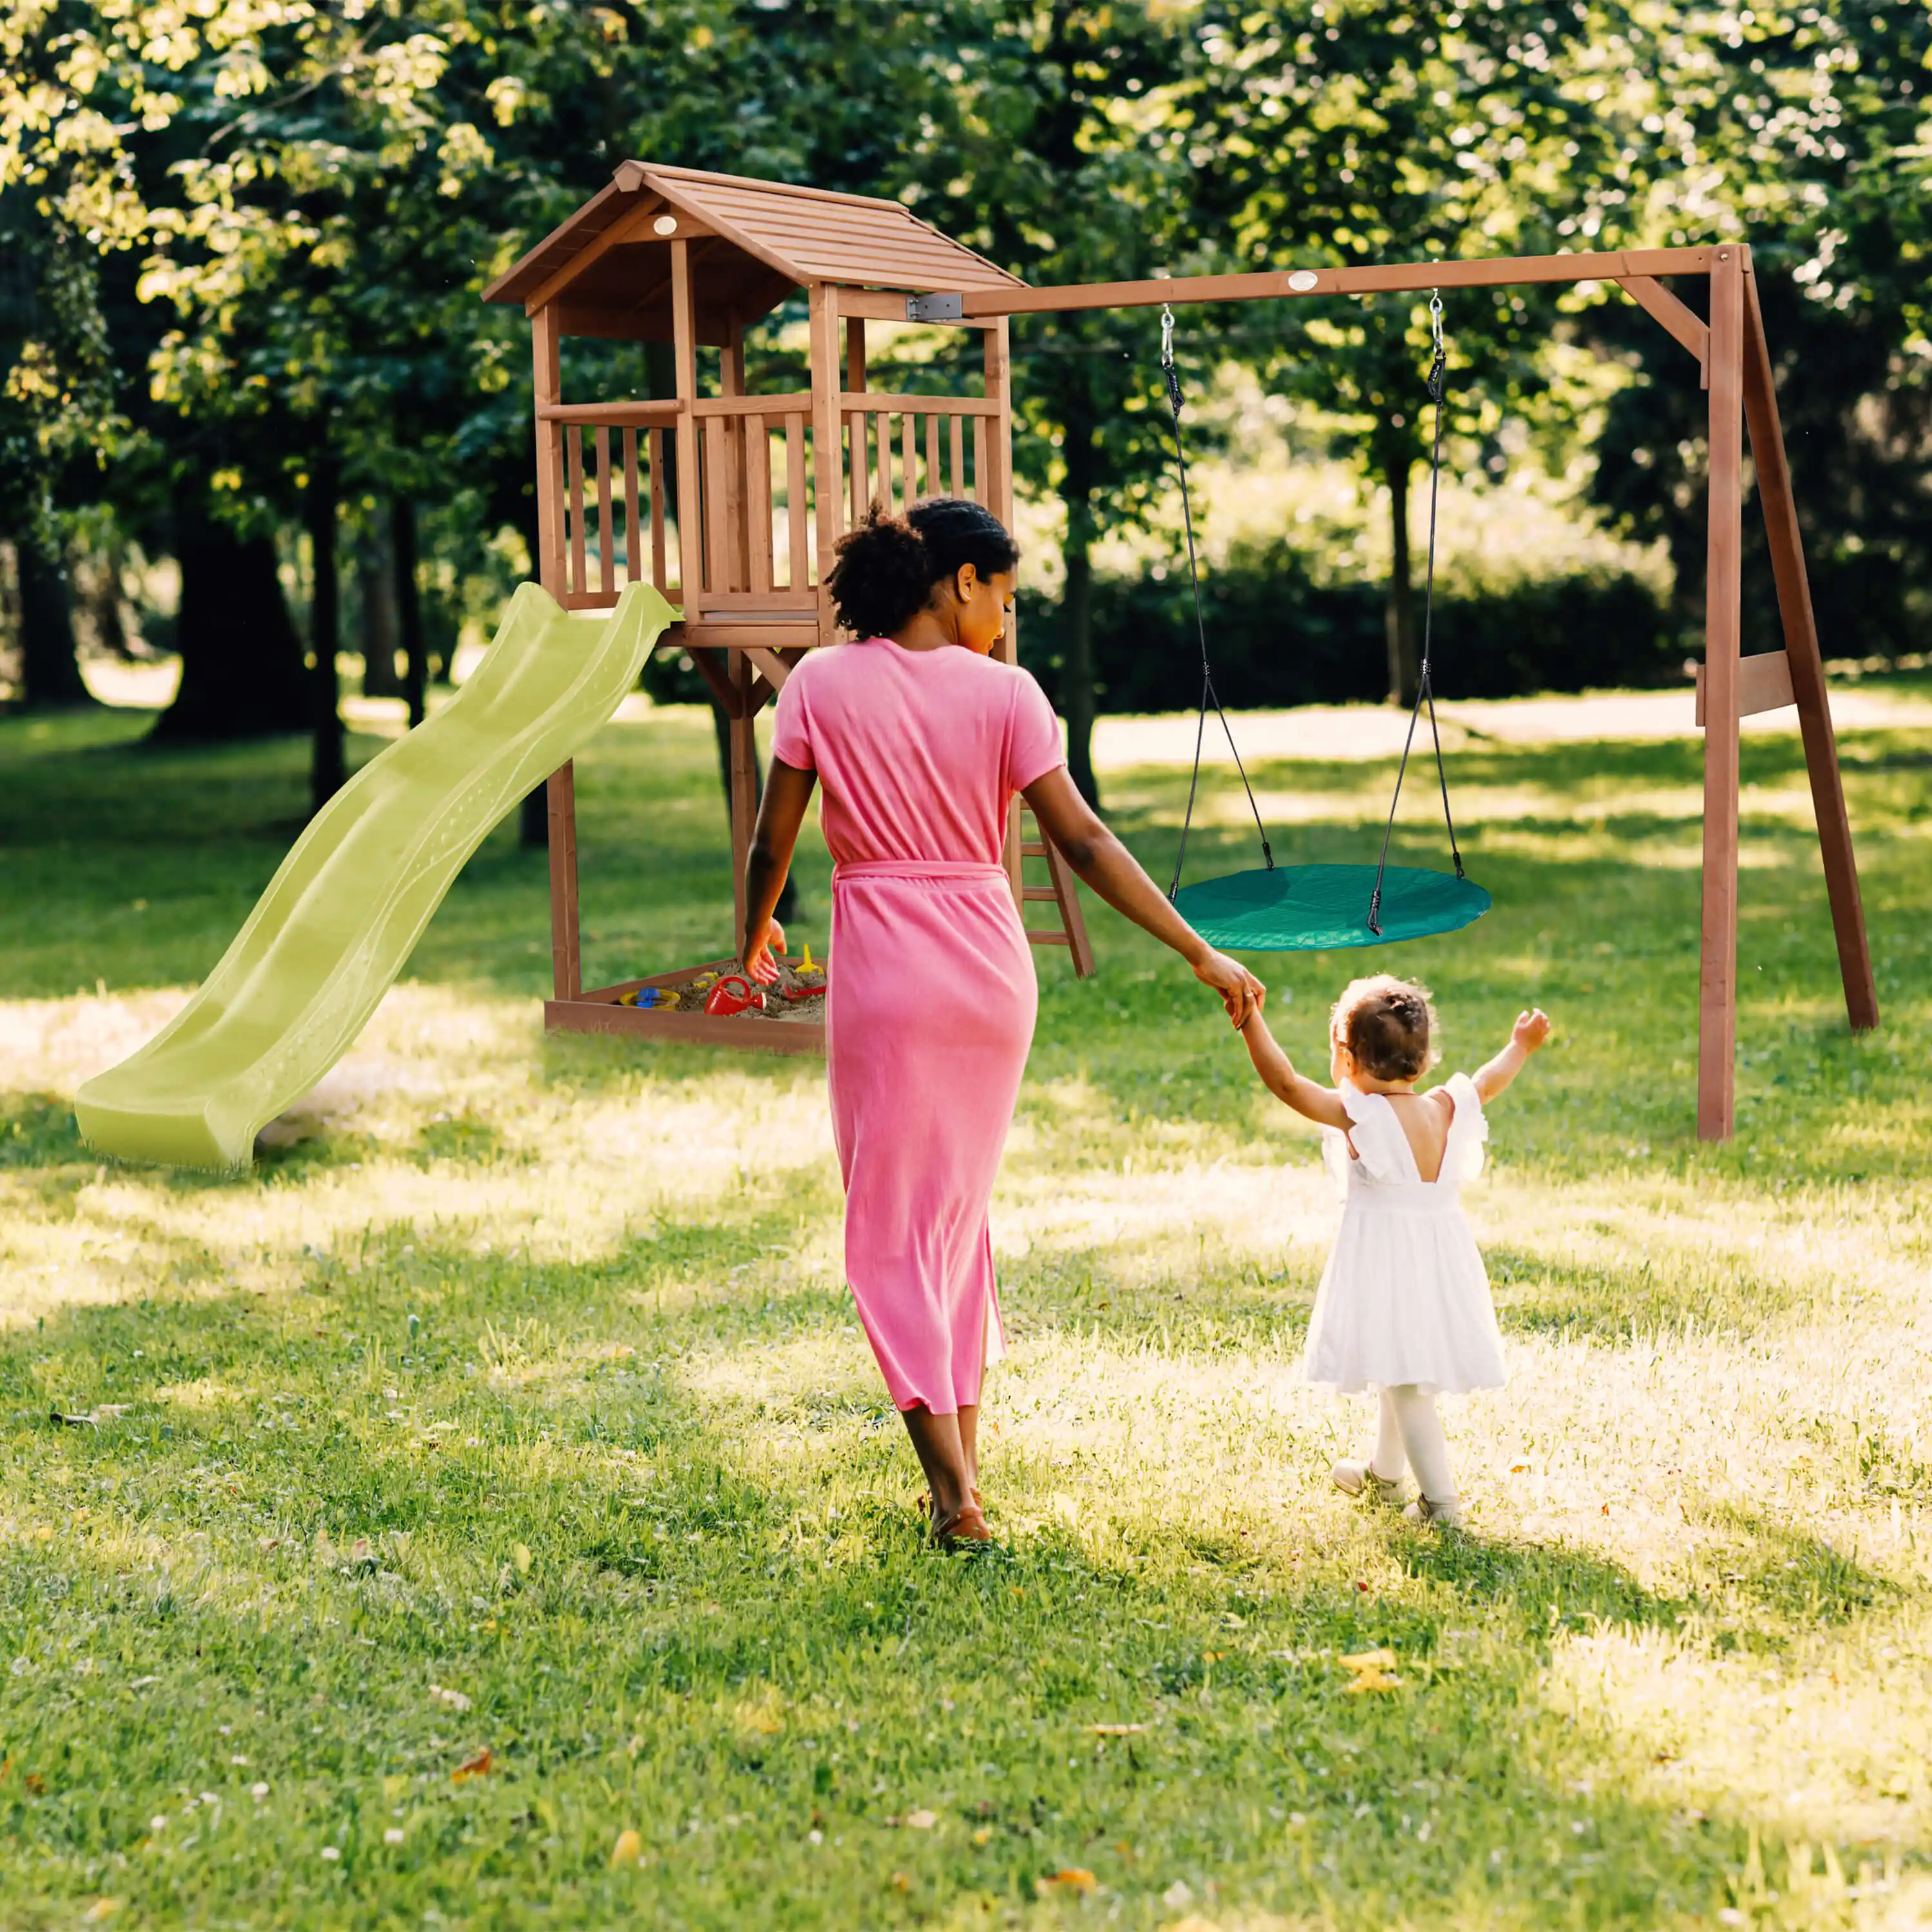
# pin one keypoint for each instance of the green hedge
(1276, 637)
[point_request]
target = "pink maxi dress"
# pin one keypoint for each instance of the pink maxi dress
(932, 997)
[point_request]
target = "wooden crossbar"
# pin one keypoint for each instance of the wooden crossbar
(1619, 266)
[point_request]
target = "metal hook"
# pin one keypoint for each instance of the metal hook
(1436, 316)
(1166, 336)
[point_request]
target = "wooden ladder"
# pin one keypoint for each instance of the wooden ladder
(1061, 890)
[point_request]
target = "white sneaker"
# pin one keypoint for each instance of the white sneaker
(1447, 1512)
(1353, 1478)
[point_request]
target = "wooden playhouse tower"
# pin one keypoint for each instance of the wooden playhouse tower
(731, 502)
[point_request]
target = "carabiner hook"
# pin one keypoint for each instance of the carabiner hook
(1438, 361)
(1166, 336)
(1435, 317)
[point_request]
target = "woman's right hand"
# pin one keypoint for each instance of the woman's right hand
(757, 962)
(1241, 993)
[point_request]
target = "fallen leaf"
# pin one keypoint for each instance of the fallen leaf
(1369, 1659)
(101, 1908)
(900, 1882)
(1116, 1730)
(1371, 1669)
(628, 1849)
(922, 1820)
(1074, 1878)
(477, 1767)
(520, 1555)
(36, 1783)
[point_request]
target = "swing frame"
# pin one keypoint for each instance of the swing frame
(1735, 366)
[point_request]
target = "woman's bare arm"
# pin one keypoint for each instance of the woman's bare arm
(1103, 862)
(1322, 1105)
(781, 812)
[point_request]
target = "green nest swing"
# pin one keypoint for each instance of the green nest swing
(1314, 908)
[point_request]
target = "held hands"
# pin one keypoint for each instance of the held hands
(1531, 1030)
(757, 963)
(1241, 993)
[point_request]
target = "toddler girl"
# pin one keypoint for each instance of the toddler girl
(1404, 1304)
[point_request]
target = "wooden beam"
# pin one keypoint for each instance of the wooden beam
(690, 497)
(616, 415)
(1680, 321)
(1273, 283)
(633, 225)
(1717, 949)
(1806, 669)
(744, 790)
(885, 305)
(774, 667)
(1764, 684)
(566, 951)
(717, 675)
(824, 299)
(548, 382)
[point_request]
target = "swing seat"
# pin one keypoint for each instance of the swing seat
(1317, 908)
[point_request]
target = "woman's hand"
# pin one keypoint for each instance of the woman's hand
(757, 962)
(1241, 993)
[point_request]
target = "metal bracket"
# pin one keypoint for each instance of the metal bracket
(936, 308)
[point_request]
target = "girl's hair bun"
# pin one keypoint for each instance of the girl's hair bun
(887, 566)
(1388, 1025)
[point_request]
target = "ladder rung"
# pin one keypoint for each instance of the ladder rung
(1038, 893)
(1029, 850)
(1040, 938)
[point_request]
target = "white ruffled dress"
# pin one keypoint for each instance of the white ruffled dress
(1404, 1298)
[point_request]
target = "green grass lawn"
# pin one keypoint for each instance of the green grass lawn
(499, 1469)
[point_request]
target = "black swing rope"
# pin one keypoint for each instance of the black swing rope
(1208, 694)
(1438, 369)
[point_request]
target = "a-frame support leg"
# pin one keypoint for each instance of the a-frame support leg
(1807, 669)
(1718, 947)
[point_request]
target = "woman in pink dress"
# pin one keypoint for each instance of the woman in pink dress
(921, 738)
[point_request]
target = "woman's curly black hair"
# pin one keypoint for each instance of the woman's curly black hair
(887, 567)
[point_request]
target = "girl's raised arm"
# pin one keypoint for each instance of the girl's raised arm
(1531, 1030)
(1322, 1104)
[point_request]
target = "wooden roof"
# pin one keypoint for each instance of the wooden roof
(753, 243)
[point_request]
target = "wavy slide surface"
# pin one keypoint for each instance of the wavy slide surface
(347, 905)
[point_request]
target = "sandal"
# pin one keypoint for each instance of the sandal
(965, 1526)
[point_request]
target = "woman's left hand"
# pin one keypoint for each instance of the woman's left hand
(757, 961)
(1241, 993)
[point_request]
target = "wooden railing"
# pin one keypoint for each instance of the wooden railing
(899, 448)
(614, 523)
(757, 558)
(756, 468)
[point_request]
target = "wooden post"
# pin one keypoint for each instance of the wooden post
(549, 386)
(996, 492)
(1717, 968)
(560, 793)
(690, 497)
(1807, 666)
(732, 374)
(744, 785)
(825, 457)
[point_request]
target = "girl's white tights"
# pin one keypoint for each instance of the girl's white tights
(1409, 1432)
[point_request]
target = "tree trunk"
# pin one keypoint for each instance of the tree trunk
(381, 622)
(50, 676)
(1399, 601)
(409, 609)
(1076, 608)
(326, 767)
(240, 654)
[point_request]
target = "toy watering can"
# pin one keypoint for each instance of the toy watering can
(733, 994)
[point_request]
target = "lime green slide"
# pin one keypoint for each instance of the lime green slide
(341, 915)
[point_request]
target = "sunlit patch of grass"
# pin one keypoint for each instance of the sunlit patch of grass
(515, 1401)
